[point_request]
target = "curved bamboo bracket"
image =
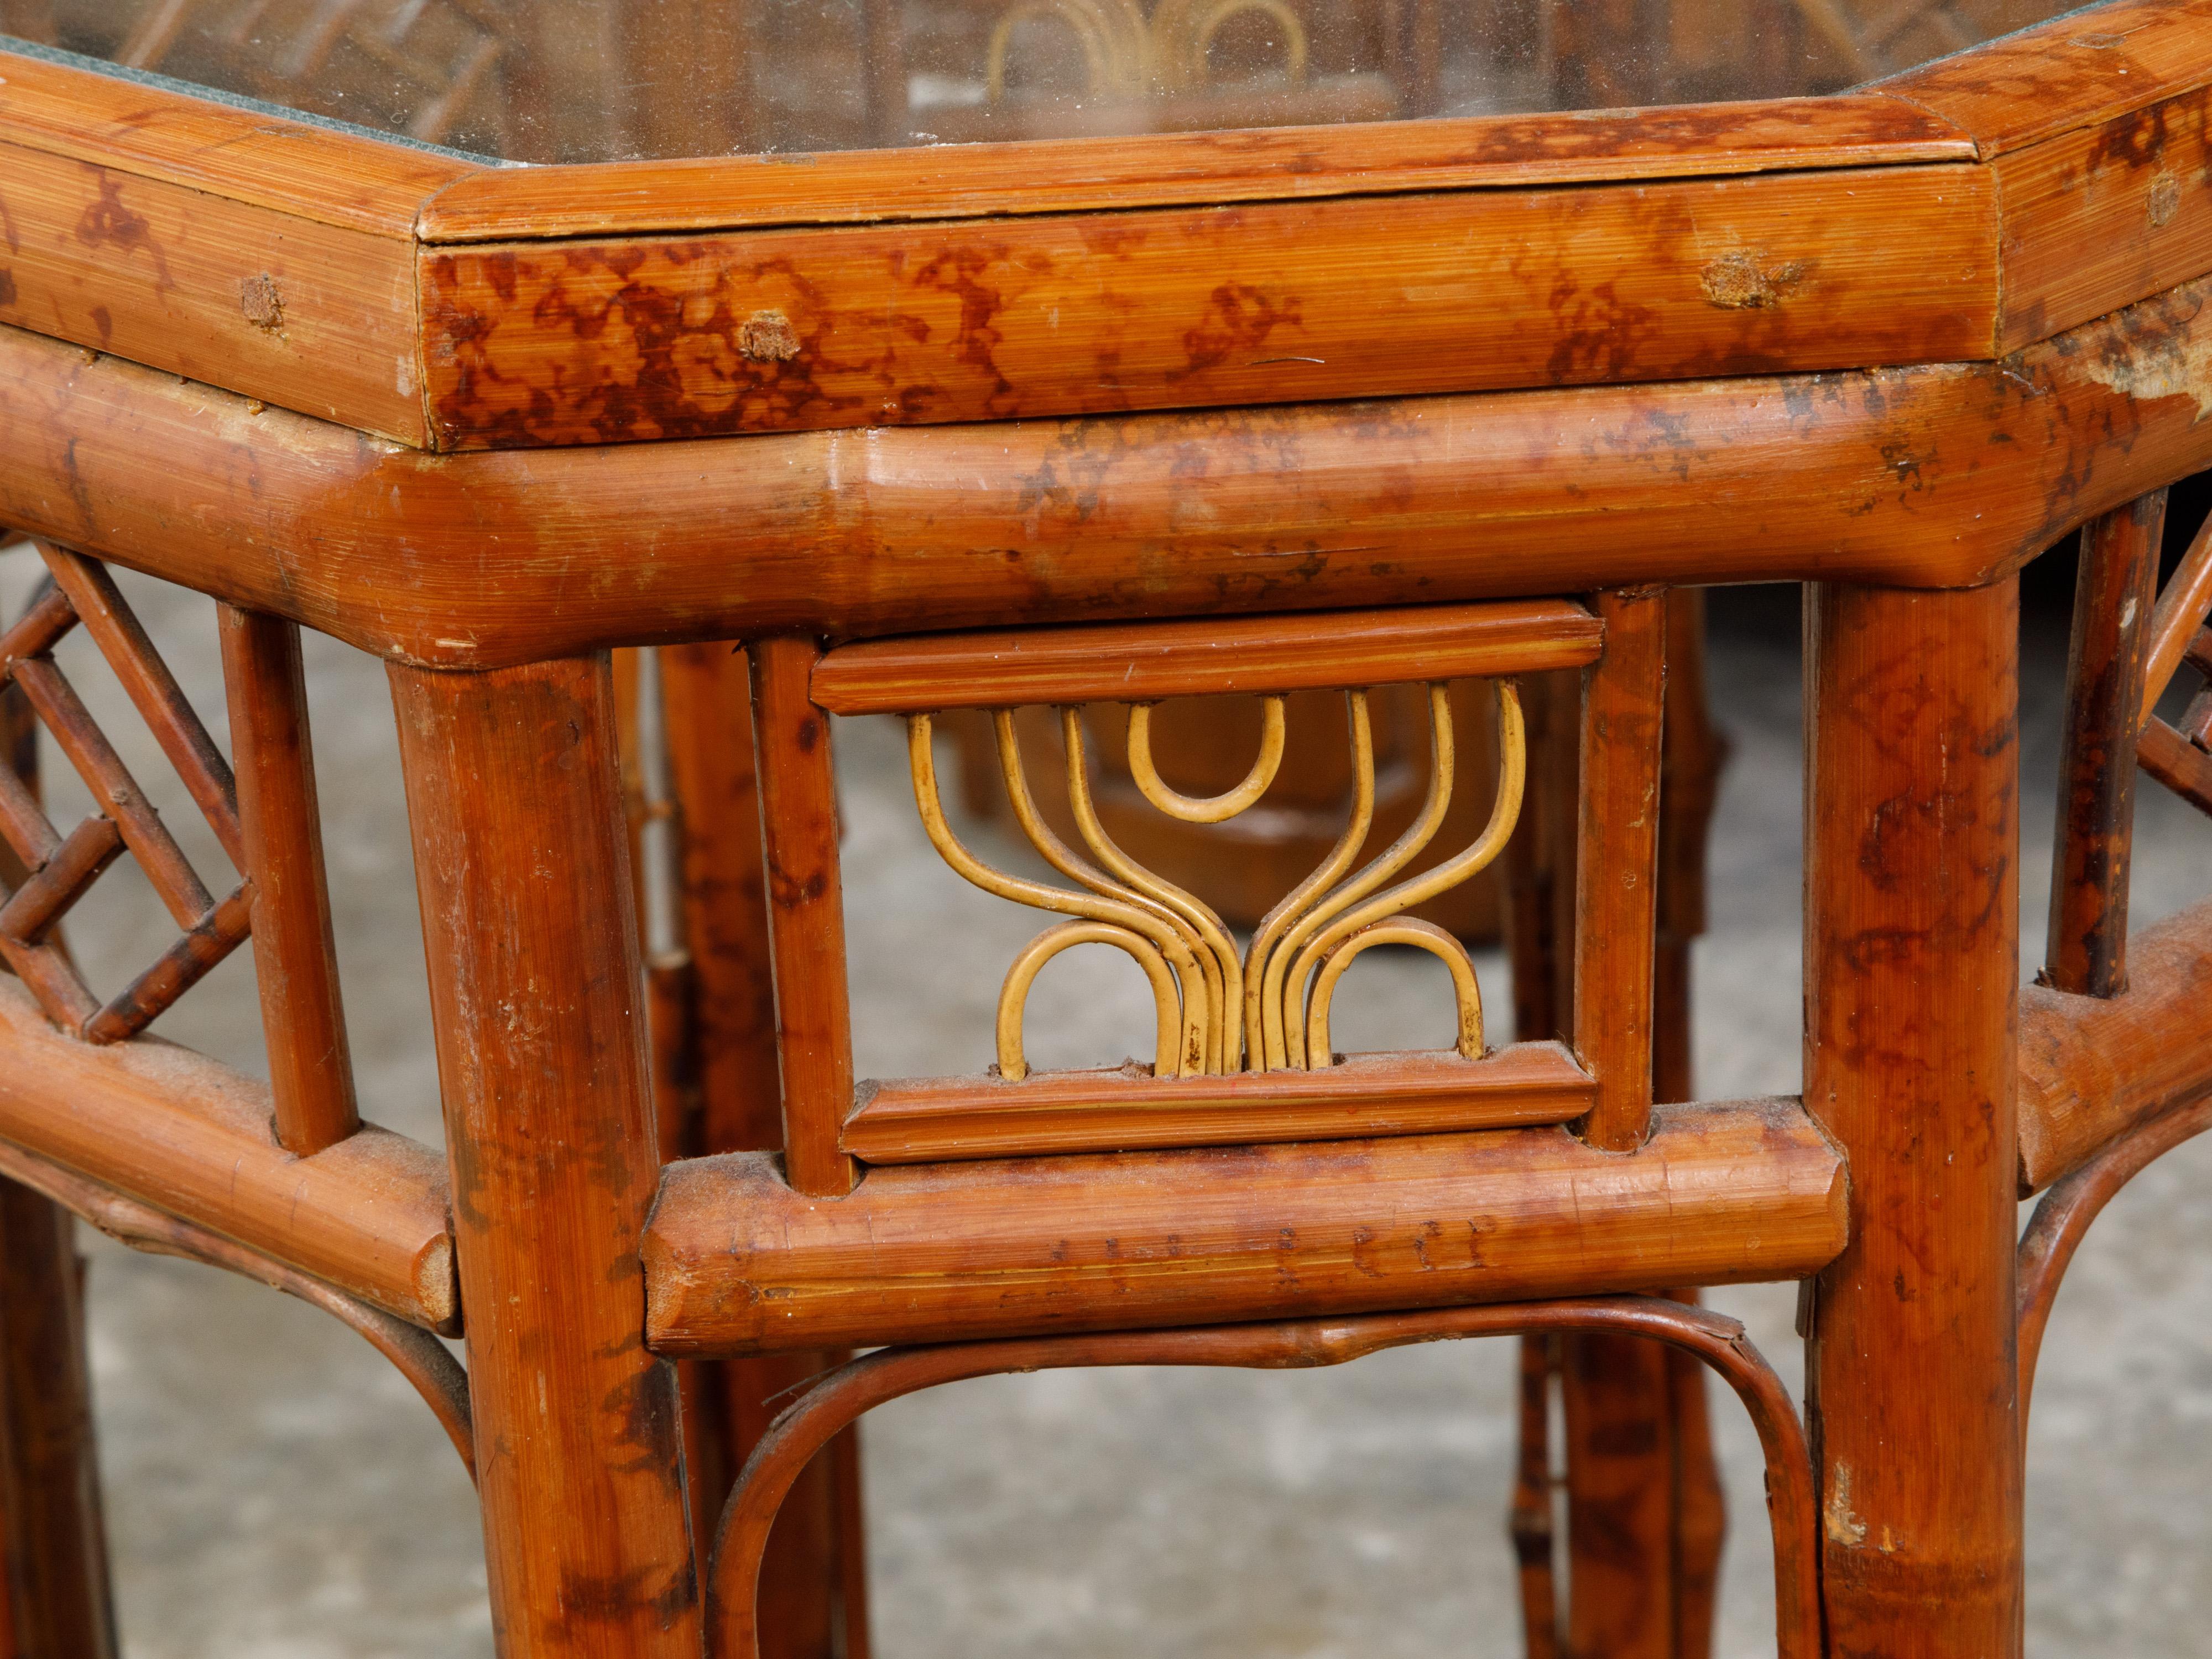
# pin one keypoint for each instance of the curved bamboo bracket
(2062, 1220)
(846, 1394)
(419, 1356)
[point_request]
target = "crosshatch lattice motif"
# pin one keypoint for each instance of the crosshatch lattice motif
(419, 64)
(2180, 756)
(63, 867)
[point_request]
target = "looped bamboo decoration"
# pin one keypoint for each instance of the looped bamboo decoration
(1214, 809)
(1190, 1051)
(1404, 930)
(1116, 46)
(1183, 30)
(1219, 1011)
(1014, 995)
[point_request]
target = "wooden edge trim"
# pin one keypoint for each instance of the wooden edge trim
(2080, 68)
(180, 1132)
(2092, 1069)
(1143, 662)
(936, 1119)
(854, 326)
(156, 128)
(1062, 175)
(736, 1262)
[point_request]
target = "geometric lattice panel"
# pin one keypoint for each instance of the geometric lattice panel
(415, 63)
(64, 867)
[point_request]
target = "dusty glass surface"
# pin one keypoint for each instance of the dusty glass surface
(603, 80)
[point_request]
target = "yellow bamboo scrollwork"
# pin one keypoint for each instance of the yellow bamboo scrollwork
(1115, 43)
(1218, 1011)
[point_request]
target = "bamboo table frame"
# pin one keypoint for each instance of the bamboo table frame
(1891, 344)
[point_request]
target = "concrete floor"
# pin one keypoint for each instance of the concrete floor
(273, 1490)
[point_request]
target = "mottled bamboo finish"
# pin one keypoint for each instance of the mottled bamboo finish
(537, 989)
(1911, 964)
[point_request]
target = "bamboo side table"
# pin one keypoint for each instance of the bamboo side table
(1356, 339)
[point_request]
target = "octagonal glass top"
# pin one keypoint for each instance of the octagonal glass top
(610, 80)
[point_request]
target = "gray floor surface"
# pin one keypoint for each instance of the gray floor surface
(275, 1493)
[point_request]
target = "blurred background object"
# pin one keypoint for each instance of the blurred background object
(602, 80)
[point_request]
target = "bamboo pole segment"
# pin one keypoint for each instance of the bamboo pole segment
(205, 943)
(1148, 662)
(1624, 1596)
(115, 790)
(1618, 851)
(1645, 1514)
(736, 1262)
(1540, 865)
(1529, 1520)
(722, 1040)
(153, 690)
(54, 1594)
(2085, 951)
(1912, 931)
(706, 718)
(1692, 755)
(797, 789)
(53, 1549)
(2092, 1069)
(475, 561)
(280, 833)
(2182, 605)
(536, 988)
(1430, 1092)
(187, 1135)
(2177, 762)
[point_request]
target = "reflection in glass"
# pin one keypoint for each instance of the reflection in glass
(598, 80)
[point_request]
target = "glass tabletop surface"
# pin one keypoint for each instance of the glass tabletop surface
(617, 80)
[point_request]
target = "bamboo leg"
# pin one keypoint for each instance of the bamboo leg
(56, 1551)
(1620, 1464)
(54, 1596)
(1692, 753)
(1647, 1521)
(1911, 924)
(537, 989)
(817, 1607)
(2085, 951)
(1540, 921)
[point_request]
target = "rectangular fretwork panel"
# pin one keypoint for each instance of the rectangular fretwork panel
(265, 818)
(1242, 1048)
